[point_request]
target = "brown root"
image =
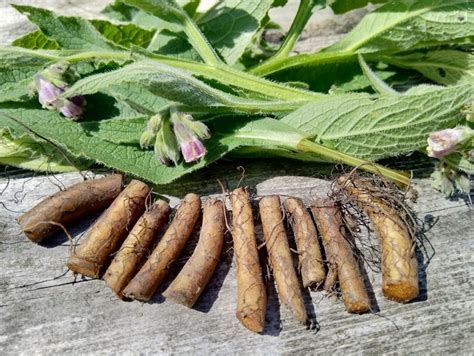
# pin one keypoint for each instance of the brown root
(306, 237)
(251, 293)
(331, 278)
(198, 270)
(145, 283)
(396, 234)
(68, 206)
(276, 242)
(339, 253)
(108, 232)
(136, 246)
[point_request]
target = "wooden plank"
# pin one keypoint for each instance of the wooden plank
(42, 311)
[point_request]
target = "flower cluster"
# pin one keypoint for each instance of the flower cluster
(50, 84)
(172, 132)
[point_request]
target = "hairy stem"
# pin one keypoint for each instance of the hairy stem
(302, 60)
(397, 177)
(305, 10)
(220, 72)
(200, 43)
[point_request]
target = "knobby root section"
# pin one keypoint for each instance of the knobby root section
(198, 270)
(395, 229)
(309, 253)
(281, 262)
(69, 206)
(251, 292)
(108, 232)
(136, 247)
(340, 257)
(145, 283)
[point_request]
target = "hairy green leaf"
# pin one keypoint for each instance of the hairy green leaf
(374, 128)
(122, 12)
(36, 40)
(138, 97)
(176, 85)
(16, 73)
(118, 130)
(398, 26)
(460, 162)
(342, 6)
(68, 32)
(169, 10)
(130, 158)
(447, 67)
(231, 25)
(377, 84)
(168, 82)
(37, 155)
(405, 24)
(124, 35)
(173, 44)
(15, 91)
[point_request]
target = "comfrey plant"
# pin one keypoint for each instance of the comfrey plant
(164, 75)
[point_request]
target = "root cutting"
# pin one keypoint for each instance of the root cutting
(395, 232)
(276, 242)
(145, 283)
(251, 292)
(136, 246)
(198, 270)
(340, 257)
(68, 206)
(108, 232)
(309, 253)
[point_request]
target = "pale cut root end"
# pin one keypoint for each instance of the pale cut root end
(82, 266)
(401, 292)
(250, 322)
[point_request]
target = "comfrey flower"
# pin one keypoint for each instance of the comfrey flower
(160, 134)
(441, 143)
(50, 84)
(172, 132)
(189, 134)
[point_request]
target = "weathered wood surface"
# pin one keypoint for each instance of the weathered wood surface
(42, 311)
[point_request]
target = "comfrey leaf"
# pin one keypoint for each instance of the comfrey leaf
(130, 158)
(449, 180)
(342, 6)
(373, 128)
(406, 24)
(37, 155)
(68, 32)
(231, 24)
(446, 67)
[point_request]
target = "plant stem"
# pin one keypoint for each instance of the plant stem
(307, 146)
(220, 72)
(237, 78)
(305, 10)
(301, 60)
(200, 43)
